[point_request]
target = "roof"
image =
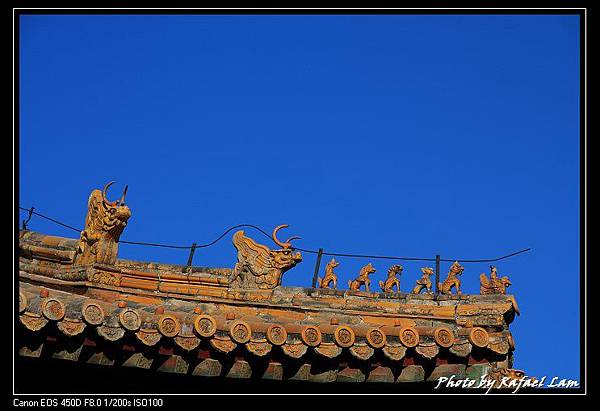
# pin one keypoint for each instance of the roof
(79, 290)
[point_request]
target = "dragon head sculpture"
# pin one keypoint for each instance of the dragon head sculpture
(104, 223)
(260, 267)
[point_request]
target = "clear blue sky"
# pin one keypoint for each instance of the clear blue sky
(395, 135)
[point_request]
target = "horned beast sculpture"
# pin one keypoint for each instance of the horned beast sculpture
(257, 265)
(104, 223)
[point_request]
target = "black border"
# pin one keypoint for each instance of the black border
(113, 7)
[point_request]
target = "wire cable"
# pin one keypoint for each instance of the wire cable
(30, 210)
(185, 247)
(366, 256)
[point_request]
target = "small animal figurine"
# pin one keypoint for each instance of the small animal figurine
(452, 281)
(424, 282)
(363, 278)
(392, 279)
(493, 285)
(330, 276)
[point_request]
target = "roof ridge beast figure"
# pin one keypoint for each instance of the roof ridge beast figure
(258, 266)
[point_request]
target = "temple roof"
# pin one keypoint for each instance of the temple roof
(79, 290)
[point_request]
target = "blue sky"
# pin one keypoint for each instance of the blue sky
(395, 135)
